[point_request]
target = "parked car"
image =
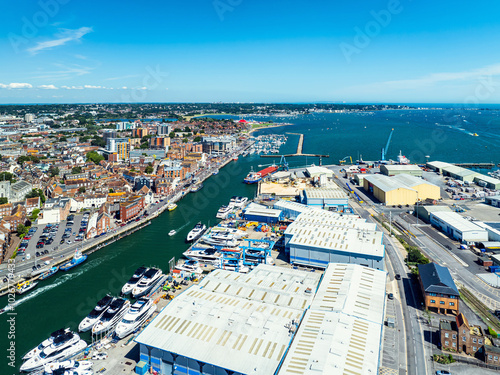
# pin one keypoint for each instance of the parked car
(398, 276)
(39, 245)
(443, 372)
(100, 356)
(390, 296)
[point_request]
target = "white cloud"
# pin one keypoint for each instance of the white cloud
(432, 79)
(16, 86)
(62, 38)
(122, 77)
(93, 87)
(124, 87)
(47, 87)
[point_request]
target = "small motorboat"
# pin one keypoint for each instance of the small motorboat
(52, 271)
(171, 206)
(25, 286)
(172, 232)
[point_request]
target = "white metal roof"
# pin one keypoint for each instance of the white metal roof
(295, 206)
(487, 179)
(401, 167)
(314, 171)
(332, 219)
(400, 181)
(325, 193)
(349, 240)
(456, 221)
(352, 289)
(333, 343)
(261, 210)
(341, 332)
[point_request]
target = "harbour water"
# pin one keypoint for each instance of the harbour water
(64, 300)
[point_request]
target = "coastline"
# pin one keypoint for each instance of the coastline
(274, 125)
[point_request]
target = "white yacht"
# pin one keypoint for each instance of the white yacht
(55, 352)
(79, 366)
(234, 265)
(190, 266)
(127, 288)
(223, 212)
(139, 312)
(220, 239)
(209, 255)
(196, 232)
(47, 342)
(94, 316)
(147, 282)
(239, 201)
(236, 233)
(112, 316)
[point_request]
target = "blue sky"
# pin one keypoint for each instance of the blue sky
(64, 51)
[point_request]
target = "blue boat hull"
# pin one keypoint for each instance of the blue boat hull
(73, 263)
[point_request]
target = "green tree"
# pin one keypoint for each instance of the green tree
(53, 171)
(21, 230)
(36, 193)
(4, 200)
(6, 176)
(197, 139)
(185, 140)
(34, 214)
(76, 170)
(94, 157)
(172, 135)
(187, 129)
(81, 190)
(149, 169)
(111, 190)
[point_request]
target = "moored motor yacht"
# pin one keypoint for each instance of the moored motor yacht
(220, 239)
(196, 232)
(127, 288)
(79, 366)
(138, 314)
(94, 316)
(55, 352)
(147, 282)
(114, 313)
(223, 212)
(46, 343)
(189, 266)
(209, 255)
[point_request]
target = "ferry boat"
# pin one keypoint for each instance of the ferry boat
(147, 282)
(190, 266)
(196, 187)
(223, 212)
(171, 206)
(94, 316)
(129, 285)
(25, 286)
(209, 255)
(139, 312)
(255, 177)
(113, 314)
(77, 259)
(63, 347)
(220, 239)
(46, 343)
(51, 272)
(69, 367)
(196, 232)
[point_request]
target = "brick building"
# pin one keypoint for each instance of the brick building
(461, 336)
(438, 288)
(492, 355)
(131, 208)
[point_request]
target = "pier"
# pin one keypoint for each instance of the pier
(300, 145)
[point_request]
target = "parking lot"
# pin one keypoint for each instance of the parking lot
(29, 255)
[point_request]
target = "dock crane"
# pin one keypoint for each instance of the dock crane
(283, 163)
(384, 150)
(344, 160)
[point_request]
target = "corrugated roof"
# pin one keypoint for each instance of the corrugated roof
(437, 279)
(325, 193)
(456, 221)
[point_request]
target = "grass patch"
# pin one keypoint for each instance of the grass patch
(444, 359)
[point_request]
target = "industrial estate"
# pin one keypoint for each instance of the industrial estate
(357, 267)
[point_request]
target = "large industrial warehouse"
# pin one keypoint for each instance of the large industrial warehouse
(395, 169)
(330, 198)
(315, 240)
(402, 189)
(256, 323)
(458, 227)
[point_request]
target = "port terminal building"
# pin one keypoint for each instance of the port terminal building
(402, 189)
(317, 238)
(464, 174)
(267, 321)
